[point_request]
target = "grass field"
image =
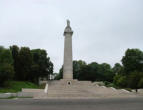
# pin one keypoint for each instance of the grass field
(16, 86)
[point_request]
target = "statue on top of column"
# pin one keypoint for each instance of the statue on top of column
(68, 29)
(68, 23)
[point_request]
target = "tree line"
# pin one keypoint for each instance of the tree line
(23, 64)
(129, 74)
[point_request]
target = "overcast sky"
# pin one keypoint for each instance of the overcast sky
(103, 29)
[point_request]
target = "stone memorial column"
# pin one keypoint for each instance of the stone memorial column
(68, 65)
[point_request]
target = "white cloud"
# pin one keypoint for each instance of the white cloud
(103, 29)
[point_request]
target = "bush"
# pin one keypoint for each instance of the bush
(120, 81)
(106, 83)
(133, 79)
(6, 73)
(140, 84)
(129, 89)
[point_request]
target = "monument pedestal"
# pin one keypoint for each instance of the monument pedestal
(68, 88)
(69, 82)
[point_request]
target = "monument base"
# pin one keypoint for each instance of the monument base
(68, 88)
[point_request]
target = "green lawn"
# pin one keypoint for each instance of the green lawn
(15, 86)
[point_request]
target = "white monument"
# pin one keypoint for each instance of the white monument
(68, 66)
(68, 87)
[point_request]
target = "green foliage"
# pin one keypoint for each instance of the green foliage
(60, 74)
(96, 72)
(118, 68)
(25, 62)
(140, 83)
(107, 72)
(128, 89)
(87, 73)
(106, 82)
(111, 85)
(6, 73)
(134, 79)
(131, 74)
(16, 86)
(29, 65)
(41, 65)
(6, 68)
(133, 60)
(120, 81)
(5, 56)
(15, 52)
(77, 65)
(91, 72)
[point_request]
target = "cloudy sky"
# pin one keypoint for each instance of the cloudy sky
(103, 29)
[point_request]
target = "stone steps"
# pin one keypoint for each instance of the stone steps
(64, 92)
(82, 94)
(85, 90)
(69, 95)
(61, 89)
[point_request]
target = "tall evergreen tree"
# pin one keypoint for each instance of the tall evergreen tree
(24, 63)
(15, 52)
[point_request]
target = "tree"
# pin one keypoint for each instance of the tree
(118, 69)
(140, 83)
(6, 68)
(131, 74)
(24, 63)
(15, 52)
(96, 72)
(77, 65)
(105, 72)
(135, 80)
(132, 61)
(31, 64)
(60, 74)
(41, 64)
(87, 73)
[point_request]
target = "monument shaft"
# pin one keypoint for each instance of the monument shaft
(68, 64)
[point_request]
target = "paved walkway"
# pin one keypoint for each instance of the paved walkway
(64, 104)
